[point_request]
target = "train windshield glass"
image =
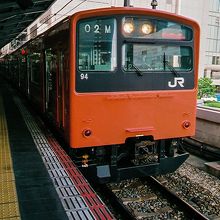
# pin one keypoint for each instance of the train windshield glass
(150, 58)
(141, 27)
(97, 45)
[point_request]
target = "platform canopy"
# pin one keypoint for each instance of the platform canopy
(16, 15)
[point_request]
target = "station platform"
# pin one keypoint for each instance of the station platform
(38, 180)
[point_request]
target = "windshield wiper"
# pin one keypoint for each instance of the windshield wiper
(166, 63)
(137, 70)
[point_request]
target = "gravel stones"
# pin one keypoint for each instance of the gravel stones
(143, 201)
(197, 187)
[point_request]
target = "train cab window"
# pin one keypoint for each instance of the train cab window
(97, 45)
(34, 65)
(148, 58)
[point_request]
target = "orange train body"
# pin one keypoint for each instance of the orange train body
(109, 108)
(114, 117)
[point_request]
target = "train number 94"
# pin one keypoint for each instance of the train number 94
(84, 76)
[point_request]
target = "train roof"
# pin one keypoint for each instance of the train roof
(133, 10)
(116, 10)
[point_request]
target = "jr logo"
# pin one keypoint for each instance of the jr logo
(177, 81)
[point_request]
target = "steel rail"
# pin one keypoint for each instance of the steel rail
(125, 213)
(116, 203)
(204, 150)
(186, 207)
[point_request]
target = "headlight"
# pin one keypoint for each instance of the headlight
(128, 27)
(147, 28)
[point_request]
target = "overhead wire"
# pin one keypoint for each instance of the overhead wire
(62, 15)
(51, 16)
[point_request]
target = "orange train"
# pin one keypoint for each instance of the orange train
(120, 84)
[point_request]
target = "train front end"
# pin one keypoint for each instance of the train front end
(133, 80)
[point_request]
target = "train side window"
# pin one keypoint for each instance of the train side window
(35, 67)
(51, 79)
(97, 45)
(23, 67)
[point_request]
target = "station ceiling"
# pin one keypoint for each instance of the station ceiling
(16, 15)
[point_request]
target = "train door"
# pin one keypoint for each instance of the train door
(28, 76)
(66, 90)
(23, 72)
(60, 99)
(51, 83)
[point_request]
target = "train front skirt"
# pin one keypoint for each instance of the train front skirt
(138, 159)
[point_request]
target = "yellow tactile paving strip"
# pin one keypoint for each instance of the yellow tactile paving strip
(8, 198)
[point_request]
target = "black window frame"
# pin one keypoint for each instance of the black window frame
(77, 42)
(106, 82)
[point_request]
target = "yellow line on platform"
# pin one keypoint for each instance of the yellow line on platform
(9, 208)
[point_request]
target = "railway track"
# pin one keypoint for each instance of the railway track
(172, 196)
(187, 208)
(201, 149)
(149, 199)
(197, 187)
